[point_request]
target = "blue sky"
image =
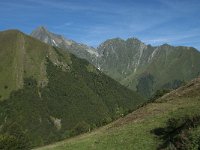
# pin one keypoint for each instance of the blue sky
(154, 22)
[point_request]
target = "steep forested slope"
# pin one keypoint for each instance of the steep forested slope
(49, 94)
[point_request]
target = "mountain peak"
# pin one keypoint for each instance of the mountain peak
(53, 39)
(41, 28)
(134, 39)
(118, 40)
(41, 33)
(166, 45)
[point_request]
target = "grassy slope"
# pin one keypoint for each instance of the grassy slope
(134, 130)
(21, 57)
(7, 57)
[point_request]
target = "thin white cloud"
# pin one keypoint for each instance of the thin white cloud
(97, 6)
(181, 6)
(169, 39)
(15, 5)
(99, 20)
(64, 25)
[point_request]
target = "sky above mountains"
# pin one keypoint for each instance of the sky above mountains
(155, 22)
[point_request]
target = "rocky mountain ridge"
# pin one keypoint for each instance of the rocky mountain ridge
(140, 67)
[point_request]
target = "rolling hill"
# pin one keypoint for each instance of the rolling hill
(170, 122)
(48, 94)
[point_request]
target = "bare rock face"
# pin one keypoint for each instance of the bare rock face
(78, 49)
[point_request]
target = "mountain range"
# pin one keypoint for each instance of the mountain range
(140, 67)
